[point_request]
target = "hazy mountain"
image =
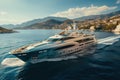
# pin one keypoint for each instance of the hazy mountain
(4, 30)
(31, 22)
(49, 24)
(44, 22)
(102, 16)
(8, 26)
(35, 21)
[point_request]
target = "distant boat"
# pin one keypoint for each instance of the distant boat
(66, 43)
(117, 29)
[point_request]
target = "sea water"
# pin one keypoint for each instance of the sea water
(103, 64)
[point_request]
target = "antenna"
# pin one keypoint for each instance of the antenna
(74, 25)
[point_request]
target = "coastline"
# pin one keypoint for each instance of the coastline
(4, 30)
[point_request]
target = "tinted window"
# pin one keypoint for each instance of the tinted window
(53, 40)
(79, 41)
(67, 46)
(87, 39)
(67, 38)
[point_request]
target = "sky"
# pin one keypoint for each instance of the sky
(18, 11)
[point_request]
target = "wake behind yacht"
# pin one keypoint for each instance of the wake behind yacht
(66, 43)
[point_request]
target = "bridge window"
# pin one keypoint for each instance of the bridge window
(63, 47)
(67, 38)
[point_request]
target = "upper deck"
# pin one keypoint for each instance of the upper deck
(54, 40)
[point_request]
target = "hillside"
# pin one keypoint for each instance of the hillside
(4, 30)
(49, 24)
(8, 26)
(100, 22)
(105, 24)
(31, 22)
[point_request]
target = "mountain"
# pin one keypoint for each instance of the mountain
(57, 22)
(4, 30)
(49, 24)
(35, 21)
(45, 23)
(8, 26)
(84, 22)
(102, 16)
(31, 22)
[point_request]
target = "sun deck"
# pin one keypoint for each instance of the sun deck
(24, 48)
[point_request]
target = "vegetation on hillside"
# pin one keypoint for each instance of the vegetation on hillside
(4, 30)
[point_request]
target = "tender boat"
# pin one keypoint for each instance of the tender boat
(66, 43)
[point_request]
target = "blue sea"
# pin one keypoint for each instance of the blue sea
(103, 64)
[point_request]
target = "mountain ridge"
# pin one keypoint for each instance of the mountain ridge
(101, 16)
(44, 25)
(103, 22)
(27, 24)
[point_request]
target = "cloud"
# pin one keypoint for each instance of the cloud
(3, 13)
(84, 11)
(118, 2)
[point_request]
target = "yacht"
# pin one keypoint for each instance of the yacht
(66, 43)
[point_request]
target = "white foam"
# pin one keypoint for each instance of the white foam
(12, 62)
(108, 40)
(54, 59)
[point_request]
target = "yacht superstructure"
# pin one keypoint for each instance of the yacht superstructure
(66, 43)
